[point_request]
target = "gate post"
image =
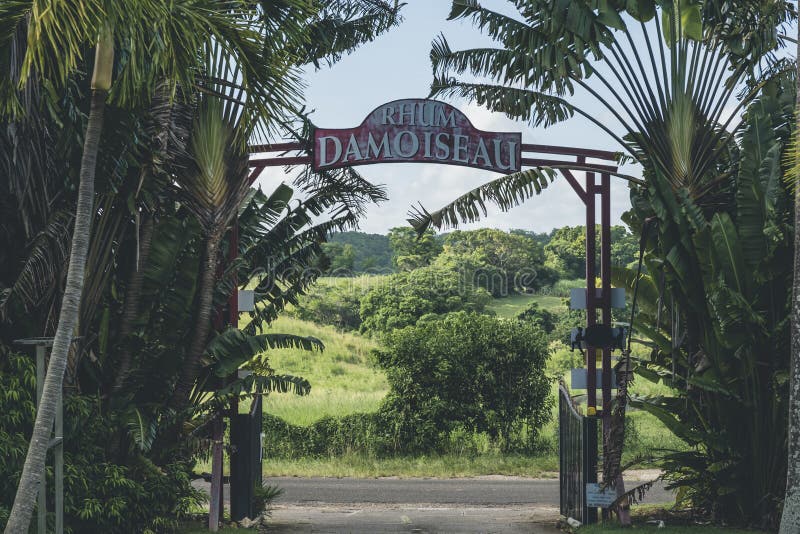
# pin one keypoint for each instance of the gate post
(589, 429)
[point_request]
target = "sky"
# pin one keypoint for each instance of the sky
(397, 66)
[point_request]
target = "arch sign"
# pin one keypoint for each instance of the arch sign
(417, 131)
(429, 131)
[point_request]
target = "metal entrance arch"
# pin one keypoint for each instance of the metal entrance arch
(565, 160)
(365, 148)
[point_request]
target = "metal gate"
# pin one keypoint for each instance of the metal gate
(246, 461)
(577, 436)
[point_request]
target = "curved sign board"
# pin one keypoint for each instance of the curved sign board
(417, 131)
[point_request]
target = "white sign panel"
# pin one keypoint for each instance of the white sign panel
(578, 378)
(577, 297)
(246, 300)
(597, 498)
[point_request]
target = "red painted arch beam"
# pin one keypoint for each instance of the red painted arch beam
(570, 151)
(276, 147)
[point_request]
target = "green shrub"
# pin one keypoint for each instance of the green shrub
(120, 492)
(483, 373)
(332, 305)
(539, 317)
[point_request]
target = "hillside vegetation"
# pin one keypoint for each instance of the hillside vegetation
(345, 381)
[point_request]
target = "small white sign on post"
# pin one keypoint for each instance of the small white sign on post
(577, 297)
(579, 378)
(597, 498)
(246, 300)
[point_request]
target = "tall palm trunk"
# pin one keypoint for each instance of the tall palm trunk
(202, 326)
(33, 469)
(790, 519)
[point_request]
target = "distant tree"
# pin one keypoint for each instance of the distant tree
(566, 252)
(345, 260)
(403, 298)
(372, 252)
(541, 238)
(624, 246)
(539, 317)
(498, 261)
(370, 263)
(410, 252)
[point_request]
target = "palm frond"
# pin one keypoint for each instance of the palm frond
(505, 193)
(141, 428)
(343, 25)
(46, 258)
(259, 384)
(231, 349)
(535, 107)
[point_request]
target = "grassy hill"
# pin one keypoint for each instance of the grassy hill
(343, 380)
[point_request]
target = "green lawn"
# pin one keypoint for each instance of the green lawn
(600, 529)
(343, 381)
(513, 305)
(439, 466)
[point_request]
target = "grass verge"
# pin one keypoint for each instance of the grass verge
(682, 529)
(444, 466)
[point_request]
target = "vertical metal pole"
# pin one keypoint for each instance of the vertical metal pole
(41, 512)
(591, 301)
(214, 512)
(589, 465)
(590, 423)
(605, 273)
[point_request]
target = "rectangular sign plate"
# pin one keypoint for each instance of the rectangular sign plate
(246, 300)
(417, 131)
(596, 498)
(578, 378)
(577, 297)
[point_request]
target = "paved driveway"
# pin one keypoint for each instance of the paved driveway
(459, 505)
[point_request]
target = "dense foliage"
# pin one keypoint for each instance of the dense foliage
(331, 304)
(500, 262)
(565, 251)
(719, 330)
(372, 251)
(667, 82)
(451, 378)
(401, 299)
(467, 370)
(151, 365)
(410, 251)
(101, 494)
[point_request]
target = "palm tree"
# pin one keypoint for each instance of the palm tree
(216, 182)
(669, 97)
(161, 42)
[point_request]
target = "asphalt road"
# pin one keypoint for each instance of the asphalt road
(478, 491)
(491, 504)
(483, 491)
